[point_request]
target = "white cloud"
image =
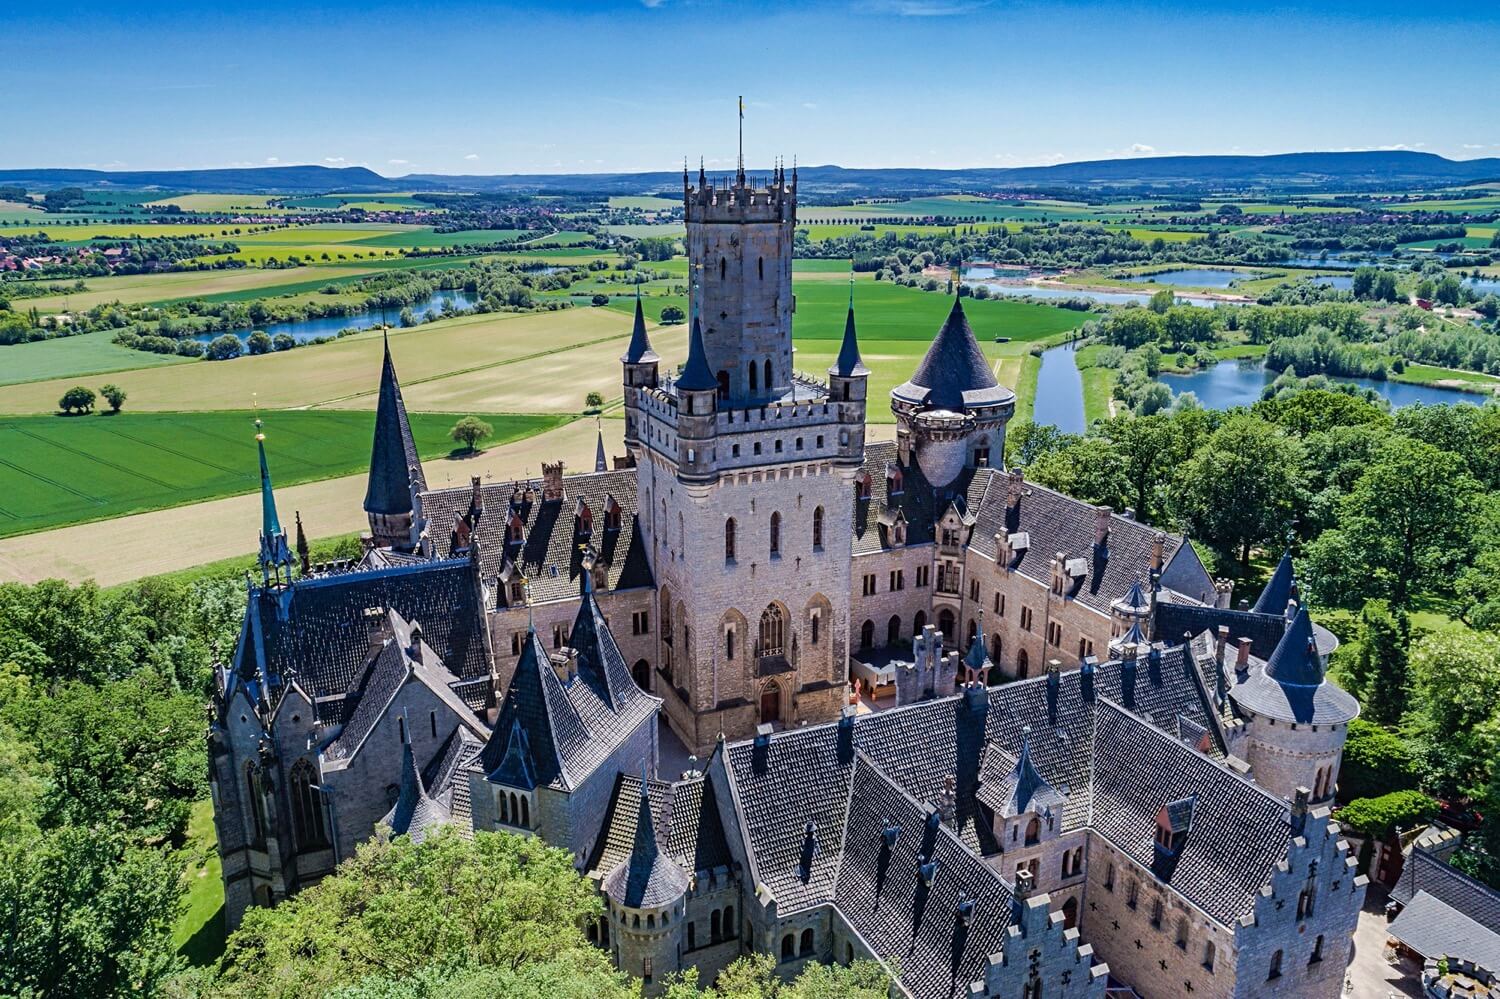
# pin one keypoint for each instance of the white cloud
(809, 105)
(398, 162)
(652, 4)
(335, 160)
(924, 8)
(1141, 149)
(472, 156)
(272, 160)
(1473, 145)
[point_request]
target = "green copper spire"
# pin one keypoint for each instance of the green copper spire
(274, 551)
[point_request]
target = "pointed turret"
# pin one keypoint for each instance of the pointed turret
(415, 811)
(274, 552)
(978, 659)
(601, 463)
(395, 470)
(1025, 789)
(304, 559)
(849, 363)
(639, 351)
(954, 374)
(1296, 660)
(696, 376)
(640, 363)
(1280, 589)
(649, 879)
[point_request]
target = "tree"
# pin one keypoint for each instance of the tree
(754, 977)
(1375, 762)
(1162, 300)
(283, 341)
(1379, 669)
(469, 431)
(1243, 487)
(1028, 442)
(672, 314)
(77, 398)
(259, 342)
(224, 348)
(395, 907)
(114, 395)
(407, 318)
(1379, 817)
(1457, 675)
(598, 300)
(1403, 529)
(594, 400)
(1090, 469)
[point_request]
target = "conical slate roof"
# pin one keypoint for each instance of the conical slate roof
(849, 363)
(273, 546)
(977, 658)
(1026, 790)
(393, 459)
(415, 811)
(954, 375)
(1296, 659)
(601, 463)
(1273, 599)
(648, 879)
(639, 351)
(695, 375)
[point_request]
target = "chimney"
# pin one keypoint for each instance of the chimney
(1299, 810)
(414, 649)
(1127, 681)
(1022, 891)
(1243, 606)
(552, 482)
(1242, 657)
(1054, 684)
(846, 736)
(1223, 593)
(1219, 643)
(1086, 677)
(976, 699)
(760, 749)
(1158, 551)
(1101, 526)
(809, 850)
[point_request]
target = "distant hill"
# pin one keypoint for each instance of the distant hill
(1345, 171)
(248, 180)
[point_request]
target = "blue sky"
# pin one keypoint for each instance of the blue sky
(592, 86)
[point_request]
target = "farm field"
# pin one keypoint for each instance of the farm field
(75, 357)
(59, 470)
(134, 289)
(644, 203)
(348, 368)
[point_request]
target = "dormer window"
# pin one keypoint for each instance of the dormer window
(1173, 822)
(514, 530)
(862, 486)
(583, 519)
(895, 481)
(611, 514)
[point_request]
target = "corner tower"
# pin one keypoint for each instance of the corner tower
(739, 237)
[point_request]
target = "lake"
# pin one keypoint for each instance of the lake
(1059, 391)
(1339, 282)
(1237, 383)
(1012, 284)
(303, 330)
(1484, 286)
(1196, 277)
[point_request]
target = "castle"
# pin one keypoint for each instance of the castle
(1089, 768)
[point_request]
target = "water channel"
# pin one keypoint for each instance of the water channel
(303, 330)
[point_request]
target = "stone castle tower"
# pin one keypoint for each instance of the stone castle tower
(745, 471)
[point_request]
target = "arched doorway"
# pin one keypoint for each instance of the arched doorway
(770, 703)
(1023, 664)
(946, 626)
(867, 635)
(918, 623)
(893, 631)
(1070, 913)
(641, 673)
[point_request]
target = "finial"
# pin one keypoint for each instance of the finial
(851, 281)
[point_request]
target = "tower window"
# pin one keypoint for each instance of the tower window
(768, 373)
(723, 268)
(818, 528)
(760, 265)
(729, 540)
(776, 534)
(753, 373)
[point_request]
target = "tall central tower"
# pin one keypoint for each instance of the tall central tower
(745, 472)
(739, 240)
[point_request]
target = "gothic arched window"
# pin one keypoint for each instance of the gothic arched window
(772, 631)
(307, 807)
(776, 533)
(768, 373)
(723, 267)
(729, 644)
(867, 634)
(729, 540)
(893, 630)
(818, 527)
(753, 373)
(254, 789)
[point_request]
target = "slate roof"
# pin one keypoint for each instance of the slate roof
(1022, 789)
(920, 502)
(879, 890)
(954, 373)
(639, 351)
(1175, 619)
(1239, 832)
(319, 629)
(554, 732)
(647, 878)
(696, 377)
(849, 364)
(549, 556)
(1279, 588)
(1435, 929)
(687, 822)
(415, 812)
(1290, 686)
(1424, 872)
(394, 454)
(1079, 742)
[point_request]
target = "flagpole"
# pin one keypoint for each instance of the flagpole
(742, 136)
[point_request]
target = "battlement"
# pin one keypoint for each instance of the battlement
(740, 199)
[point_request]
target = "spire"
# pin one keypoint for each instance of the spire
(303, 554)
(695, 375)
(639, 351)
(849, 363)
(647, 879)
(977, 659)
(601, 464)
(1296, 660)
(1280, 588)
(273, 547)
(394, 465)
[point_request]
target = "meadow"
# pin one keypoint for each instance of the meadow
(75, 357)
(58, 470)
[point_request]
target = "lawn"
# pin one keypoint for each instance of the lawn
(136, 289)
(74, 357)
(200, 931)
(1098, 383)
(58, 470)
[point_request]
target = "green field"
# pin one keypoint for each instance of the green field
(200, 931)
(645, 203)
(74, 357)
(57, 470)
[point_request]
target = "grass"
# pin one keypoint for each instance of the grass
(1098, 383)
(75, 357)
(1427, 374)
(1025, 387)
(59, 470)
(645, 203)
(139, 289)
(200, 931)
(349, 368)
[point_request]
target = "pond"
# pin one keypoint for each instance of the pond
(1340, 259)
(1339, 282)
(1239, 383)
(1059, 391)
(1011, 283)
(303, 330)
(1195, 277)
(1484, 286)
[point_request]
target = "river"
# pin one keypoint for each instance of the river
(303, 330)
(1239, 383)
